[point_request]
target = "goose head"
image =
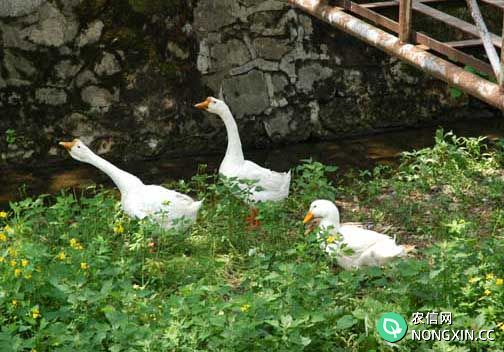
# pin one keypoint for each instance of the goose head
(78, 150)
(323, 210)
(213, 105)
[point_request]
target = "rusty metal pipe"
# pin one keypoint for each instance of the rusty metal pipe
(439, 68)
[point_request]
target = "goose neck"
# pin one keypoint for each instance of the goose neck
(122, 179)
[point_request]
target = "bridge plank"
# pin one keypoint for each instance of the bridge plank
(423, 39)
(464, 43)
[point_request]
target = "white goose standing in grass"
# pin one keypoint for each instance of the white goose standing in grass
(271, 185)
(166, 207)
(369, 248)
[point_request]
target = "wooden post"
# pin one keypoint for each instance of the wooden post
(346, 4)
(405, 20)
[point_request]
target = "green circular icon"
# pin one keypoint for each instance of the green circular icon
(392, 327)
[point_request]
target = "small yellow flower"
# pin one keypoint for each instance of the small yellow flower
(3, 238)
(14, 302)
(13, 263)
(8, 229)
(2, 259)
(118, 229)
(24, 263)
(472, 280)
(75, 244)
(488, 292)
(35, 313)
(17, 272)
(245, 308)
(501, 326)
(12, 252)
(3, 214)
(84, 266)
(330, 239)
(499, 282)
(489, 276)
(61, 256)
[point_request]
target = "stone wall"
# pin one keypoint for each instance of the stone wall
(123, 76)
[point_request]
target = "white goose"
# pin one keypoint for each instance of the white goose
(271, 185)
(166, 207)
(369, 248)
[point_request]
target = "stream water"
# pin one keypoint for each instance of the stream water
(359, 152)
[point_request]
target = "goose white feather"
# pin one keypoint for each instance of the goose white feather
(271, 185)
(166, 207)
(369, 248)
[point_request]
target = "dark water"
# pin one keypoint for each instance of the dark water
(360, 152)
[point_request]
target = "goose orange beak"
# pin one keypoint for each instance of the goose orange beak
(67, 145)
(308, 217)
(203, 105)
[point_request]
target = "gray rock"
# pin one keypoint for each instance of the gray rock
(230, 54)
(211, 15)
(277, 98)
(247, 94)
(108, 66)
(53, 29)
(98, 98)
(310, 74)
(15, 8)
(278, 127)
(269, 24)
(13, 37)
(84, 78)
(51, 96)
(279, 82)
(91, 35)
(17, 66)
(271, 48)
(66, 70)
(203, 62)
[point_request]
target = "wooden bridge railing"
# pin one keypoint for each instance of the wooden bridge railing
(420, 49)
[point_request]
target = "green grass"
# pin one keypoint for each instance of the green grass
(76, 274)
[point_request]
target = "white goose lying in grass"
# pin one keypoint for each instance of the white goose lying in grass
(164, 206)
(271, 185)
(368, 248)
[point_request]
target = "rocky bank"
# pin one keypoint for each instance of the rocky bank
(123, 76)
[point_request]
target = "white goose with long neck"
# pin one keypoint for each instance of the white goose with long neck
(369, 248)
(166, 207)
(269, 185)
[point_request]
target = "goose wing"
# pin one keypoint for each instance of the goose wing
(273, 185)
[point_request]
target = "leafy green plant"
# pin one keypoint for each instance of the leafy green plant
(77, 274)
(10, 136)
